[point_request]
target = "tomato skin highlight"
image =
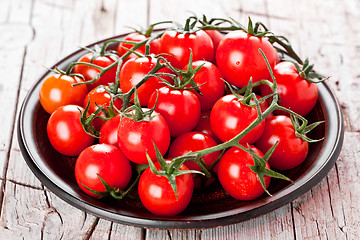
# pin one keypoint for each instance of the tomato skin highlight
(106, 161)
(65, 131)
(295, 93)
(229, 117)
(180, 108)
(238, 58)
(135, 139)
(57, 91)
(237, 178)
(90, 73)
(158, 197)
(178, 45)
(291, 151)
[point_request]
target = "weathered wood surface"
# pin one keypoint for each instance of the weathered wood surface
(38, 33)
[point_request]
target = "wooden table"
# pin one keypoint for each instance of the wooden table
(37, 33)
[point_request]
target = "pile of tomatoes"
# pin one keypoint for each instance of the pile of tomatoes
(182, 107)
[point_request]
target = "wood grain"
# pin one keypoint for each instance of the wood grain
(37, 33)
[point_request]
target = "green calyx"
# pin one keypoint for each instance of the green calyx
(259, 167)
(137, 113)
(57, 70)
(86, 120)
(304, 128)
(113, 192)
(171, 170)
(185, 78)
(108, 112)
(306, 72)
(189, 27)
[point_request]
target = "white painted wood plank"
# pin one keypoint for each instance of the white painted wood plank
(333, 51)
(32, 213)
(161, 10)
(331, 209)
(104, 229)
(344, 187)
(54, 37)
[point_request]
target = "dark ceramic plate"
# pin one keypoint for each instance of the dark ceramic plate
(211, 207)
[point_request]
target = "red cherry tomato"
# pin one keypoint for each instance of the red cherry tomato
(229, 117)
(237, 178)
(204, 126)
(137, 138)
(57, 90)
(291, 150)
(137, 37)
(65, 132)
(99, 97)
(105, 161)
(238, 58)
(158, 197)
(90, 73)
(208, 78)
(296, 93)
(180, 108)
(108, 132)
(178, 46)
(134, 70)
(191, 142)
(216, 37)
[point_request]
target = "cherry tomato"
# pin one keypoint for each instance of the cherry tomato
(57, 90)
(204, 126)
(65, 132)
(98, 97)
(158, 197)
(105, 161)
(237, 178)
(216, 37)
(137, 37)
(229, 117)
(134, 70)
(296, 93)
(178, 46)
(90, 73)
(191, 142)
(238, 58)
(108, 132)
(180, 108)
(137, 138)
(291, 150)
(208, 78)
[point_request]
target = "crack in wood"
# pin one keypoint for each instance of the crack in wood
(110, 230)
(169, 234)
(293, 219)
(317, 228)
(50, 206)
(90, 232)
(143, 233)
(329, 193)
(21, 184)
